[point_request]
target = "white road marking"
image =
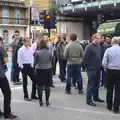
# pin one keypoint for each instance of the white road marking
(87, 111)
(58, 85)
(16, 88)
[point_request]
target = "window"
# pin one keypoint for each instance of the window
(17, 32)
(5, 36)
(17, 15)
(5, 15)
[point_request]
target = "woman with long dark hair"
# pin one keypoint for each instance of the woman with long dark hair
(43, 66)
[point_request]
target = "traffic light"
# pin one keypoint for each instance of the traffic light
(47, 17)
(49, 20)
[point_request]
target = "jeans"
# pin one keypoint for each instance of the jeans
(74, 81)
(74, 71)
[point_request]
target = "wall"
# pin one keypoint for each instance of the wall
(71, 27)
(12, 31)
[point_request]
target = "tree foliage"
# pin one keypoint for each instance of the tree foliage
(55, 7)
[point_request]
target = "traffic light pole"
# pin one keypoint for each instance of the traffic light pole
(49, 32)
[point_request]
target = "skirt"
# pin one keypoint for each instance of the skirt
(43, 77)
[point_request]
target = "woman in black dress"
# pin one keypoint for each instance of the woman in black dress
(43, 66)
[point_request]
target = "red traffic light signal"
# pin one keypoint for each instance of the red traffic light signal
(48, 17)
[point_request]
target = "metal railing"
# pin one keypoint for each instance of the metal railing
(18, 21)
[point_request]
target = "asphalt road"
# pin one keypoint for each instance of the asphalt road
(63, 106)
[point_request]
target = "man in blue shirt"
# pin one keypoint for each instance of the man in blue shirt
(111, 64)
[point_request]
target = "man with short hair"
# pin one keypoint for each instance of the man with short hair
(62, 60)
(4, 85)
(111, 64)
(92, 61)
(25, 62)
(74, 54)
(14, 76)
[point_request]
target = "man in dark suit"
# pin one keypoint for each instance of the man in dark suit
(92, 61)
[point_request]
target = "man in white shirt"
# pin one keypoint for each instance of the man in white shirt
(25, 62)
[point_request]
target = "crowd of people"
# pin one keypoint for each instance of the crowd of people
(100, 59)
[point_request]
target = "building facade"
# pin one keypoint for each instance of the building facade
(93, 13)
(13, 19)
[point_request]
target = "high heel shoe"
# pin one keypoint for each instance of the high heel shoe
(47, 103)
(41, 103)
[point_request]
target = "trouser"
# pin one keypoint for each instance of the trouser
(4, 85)
(74, 70)
(104, 78)
(54, 63)
(83, 67)
(62, 64)
(93, 84)
(16, 72)
(47, 92)
(28, 71)
(12, 71)
(113, 83)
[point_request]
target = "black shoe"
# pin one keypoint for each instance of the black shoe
(34, 97)
(116, 111)
(63, 80)
(98, 100)
(1, 114)
(47, 103)
(80, 92)
(27, 99)
(41, 103)
(17, 83)
(11, 116)
(109, 108)
(68, 92)
(52, 86)
(91, 103)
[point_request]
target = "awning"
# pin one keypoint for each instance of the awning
(90, 8)
(109, 28)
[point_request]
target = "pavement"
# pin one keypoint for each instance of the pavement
(63, 106)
